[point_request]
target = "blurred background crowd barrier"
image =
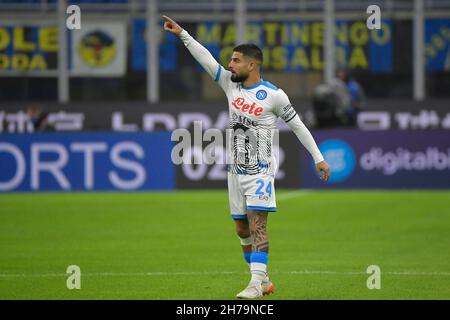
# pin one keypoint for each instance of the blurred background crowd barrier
(377, 100)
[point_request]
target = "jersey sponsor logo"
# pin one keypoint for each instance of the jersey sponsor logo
(261, 94)
(239, 103)
(244, 120)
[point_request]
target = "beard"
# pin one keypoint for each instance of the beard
(239, 78)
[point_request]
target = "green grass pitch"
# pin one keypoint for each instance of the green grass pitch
(182, 245)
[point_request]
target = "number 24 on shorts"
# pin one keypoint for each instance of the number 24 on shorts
(261, 186)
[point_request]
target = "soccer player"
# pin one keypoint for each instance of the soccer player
(254, 106)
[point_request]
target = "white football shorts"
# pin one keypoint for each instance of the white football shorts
(250, 192)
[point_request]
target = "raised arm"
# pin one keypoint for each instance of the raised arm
(199, 52)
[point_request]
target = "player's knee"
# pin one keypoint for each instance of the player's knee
(242, 230)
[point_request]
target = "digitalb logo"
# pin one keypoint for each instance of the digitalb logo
(74, 280)
(341, 158)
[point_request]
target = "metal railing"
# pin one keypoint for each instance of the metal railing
(222, 6)
(417, 11)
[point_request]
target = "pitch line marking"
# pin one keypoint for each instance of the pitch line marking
(198, 273)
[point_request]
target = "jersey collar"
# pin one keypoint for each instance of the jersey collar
(253, 86)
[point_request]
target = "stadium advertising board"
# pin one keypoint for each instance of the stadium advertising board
(28, 48)
(99, 49)
(389, 159)
(167, 48)
(403, 115)
(86, 162)
(437, 45)
(205, 176)
(297, 46)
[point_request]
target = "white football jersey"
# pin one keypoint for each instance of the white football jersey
(253, 115)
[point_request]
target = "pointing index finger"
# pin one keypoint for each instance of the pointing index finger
(168, 19)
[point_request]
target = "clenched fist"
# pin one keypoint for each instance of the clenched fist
(323, 169)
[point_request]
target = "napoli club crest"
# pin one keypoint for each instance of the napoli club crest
(261, 94)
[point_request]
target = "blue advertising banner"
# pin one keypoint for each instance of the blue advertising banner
(357, 47)
(86, 162)
(437, 44)
(297, 46)
(373, 159)
(167, 49)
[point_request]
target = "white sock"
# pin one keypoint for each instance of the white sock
(259, 271)
(266, 278)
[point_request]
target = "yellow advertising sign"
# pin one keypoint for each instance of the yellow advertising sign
(298, 46)
(28, 48)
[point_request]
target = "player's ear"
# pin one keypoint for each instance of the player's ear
(251, 65)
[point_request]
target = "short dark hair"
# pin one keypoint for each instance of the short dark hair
(251, 50)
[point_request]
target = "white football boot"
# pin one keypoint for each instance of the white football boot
(254, 290)
(267, 286)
